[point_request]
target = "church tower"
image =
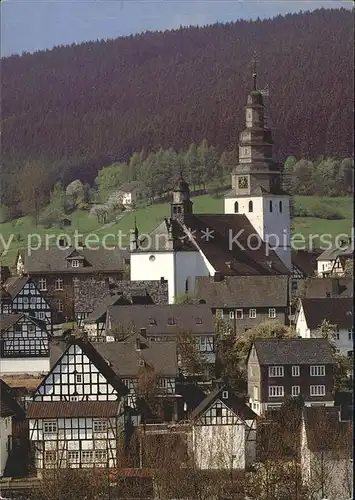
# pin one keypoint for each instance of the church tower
(256, 181)
(181, 203)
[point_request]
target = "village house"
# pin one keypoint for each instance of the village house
(317, 288)
(326, 454)
(11, 417)
(332, 261)
(282, 368)
(24, 345)
(131, 192)
(59, 269)
(24, 296)
(304, 265)
(77, 416)
(337, 311)
(245, 301)
(165, 323)
(236, 243)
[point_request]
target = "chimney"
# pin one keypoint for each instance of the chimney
(162, 279)
(138, 344)
(144, 332)
(218, 277)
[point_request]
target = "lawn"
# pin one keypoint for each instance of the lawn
(148, 217)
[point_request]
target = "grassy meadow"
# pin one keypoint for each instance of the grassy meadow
(16, 232)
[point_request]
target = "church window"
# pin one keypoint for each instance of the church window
(179, 210)
(270, 205)
(250, 206)
(236, 207)
(280, 207)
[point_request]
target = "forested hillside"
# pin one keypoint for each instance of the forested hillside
(76, 109)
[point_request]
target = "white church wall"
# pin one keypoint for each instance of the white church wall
(189, 265)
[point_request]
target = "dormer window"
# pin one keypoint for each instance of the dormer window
(152, 322)
(171, 321)
(75, 263)
(141, 362)
(198, 321)
(225, 395)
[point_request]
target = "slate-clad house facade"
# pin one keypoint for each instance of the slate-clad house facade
(166, 323)
(58, 269)
(24, 345)
(245, 301)
(283, 368)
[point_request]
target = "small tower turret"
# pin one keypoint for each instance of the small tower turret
(181, 203)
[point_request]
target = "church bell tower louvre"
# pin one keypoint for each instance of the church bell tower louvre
(257, 180)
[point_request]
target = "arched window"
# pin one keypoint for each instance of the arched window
(250, 206)
(236, 207)
(270, 205)
(280, 207)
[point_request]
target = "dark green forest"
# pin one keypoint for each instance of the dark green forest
(73, 110)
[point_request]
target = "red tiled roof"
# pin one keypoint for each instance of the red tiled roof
(68, 409)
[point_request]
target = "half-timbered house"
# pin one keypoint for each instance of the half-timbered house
(223, 431)
(5, 301)
(27, 298)
(77, 416)
(24, 345)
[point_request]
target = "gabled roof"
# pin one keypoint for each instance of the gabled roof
(15, 284)
(335, 251)
(9, 407)
(243, 291)
(101, 310)
(127, 187)
(72, 409)
(293, 351)
(125, 359)
(337, 310)
(7, 320)
(328, 287)
(234, 402)
(306, 260)
(197, 319)
(90, 351)
(325, 431)
(54, 259)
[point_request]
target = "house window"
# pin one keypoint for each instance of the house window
(270, 205)
(50, 426)
(256, 393)
(100, 425)
(295, 371)
(31, 328)
(72, 456)
(225, 395)
(18, 328)
(163, 383)
(42, 283)
(75, 263)
(219, 313)
(276, 371)
(231, 314)
(41, 315)
(317, 390)
(25, 301)
(276, 391)
(272, 313)
(280, 207)
(152, 322)
(350, 333)
(100, 455)
(60, 307)
(198, 321)
(317, 370)
(252, 313)
(86, 456)
(58, 284)
(218, 412)
(239, 313)
(78, 378)
(236, 207)
(50, 456)
(295, 390)
(171, 321)
(250, 206)
(337, 335)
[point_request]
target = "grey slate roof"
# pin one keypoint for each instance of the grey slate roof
(306, 261)
(128, 187)
(7, 320)
(243, 291)
(54, 259)
(234, 402)
(337, 251)
(124, 358)
(336, 310)
(186, 318)
(294, 351)
(224, 255)
(328, 287)
(100, 311)
(9, 407)
(15, 284)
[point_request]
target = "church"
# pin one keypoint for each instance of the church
(251, 238)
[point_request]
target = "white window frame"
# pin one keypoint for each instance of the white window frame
(276, 371)
(219, 313)
(75, 263)
(100, 455)
(73, 456)
(239, 311)
(272, 313)
(58, 284)
(231, 315)
(295, 390)
(99, 425)
(252, 313)
(276, 391)
(42, 284)
(41, 315)
(225, 395)
(317, 390)
(87, 456)
(317, 370)
(60, 306)
(50, 453)
(50, 427)
(295, 371)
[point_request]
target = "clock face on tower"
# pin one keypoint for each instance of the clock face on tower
(243, 182)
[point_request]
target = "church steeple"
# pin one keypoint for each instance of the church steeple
(181, 203)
